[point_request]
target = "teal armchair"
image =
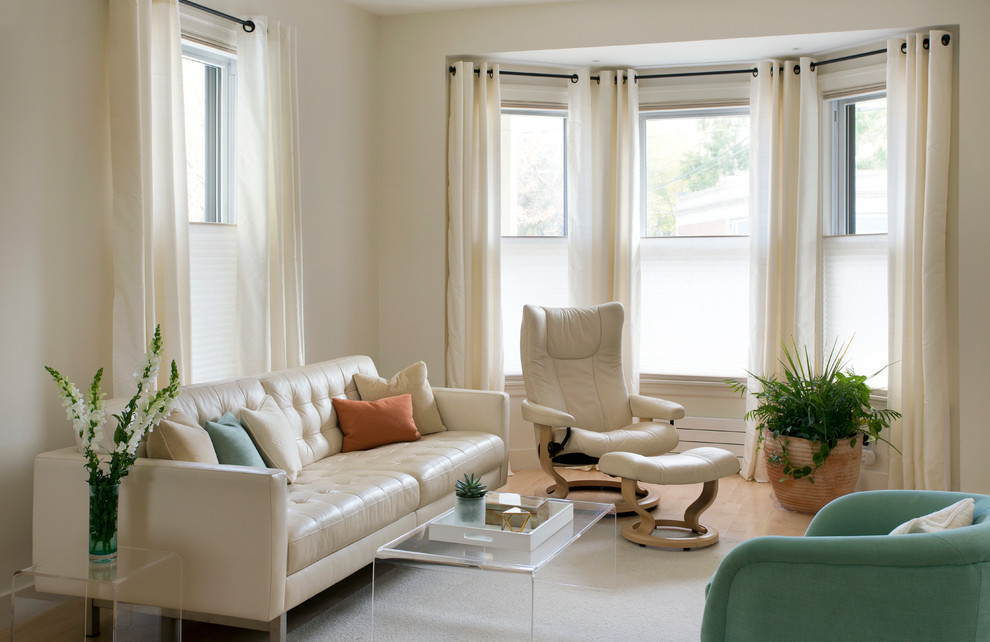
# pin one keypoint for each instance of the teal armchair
(846, 579)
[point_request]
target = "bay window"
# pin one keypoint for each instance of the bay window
(855, 247)
(694, 248)
(534, 218)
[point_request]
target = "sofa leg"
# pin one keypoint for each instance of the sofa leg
(170, 629)
(276, 629)
(92, 618)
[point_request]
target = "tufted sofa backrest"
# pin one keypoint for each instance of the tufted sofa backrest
(304, 394)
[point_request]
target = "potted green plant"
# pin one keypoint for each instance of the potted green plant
(813, 424)
(469, 501)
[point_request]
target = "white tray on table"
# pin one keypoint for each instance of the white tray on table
(446, 529)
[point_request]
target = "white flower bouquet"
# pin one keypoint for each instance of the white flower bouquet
(145, 409)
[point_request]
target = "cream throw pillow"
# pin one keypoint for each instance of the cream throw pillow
(413, 381)
(272, 434)
(955, 516)
(180, 438)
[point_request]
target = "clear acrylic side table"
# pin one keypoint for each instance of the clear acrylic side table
(142, 589)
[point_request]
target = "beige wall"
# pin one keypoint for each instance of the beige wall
(413, 77)
(55, 203)
(338, 128)
(55, 279)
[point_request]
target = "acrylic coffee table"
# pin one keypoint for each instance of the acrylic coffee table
(415, 592)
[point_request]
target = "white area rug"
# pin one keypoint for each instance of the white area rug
(656, 595)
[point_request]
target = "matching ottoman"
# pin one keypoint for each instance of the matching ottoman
(698, 465)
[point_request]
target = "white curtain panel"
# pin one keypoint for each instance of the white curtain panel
(474, 326)
(785, 224)
(919, 90)
(148, 165)
(603, 200)
(269, 227)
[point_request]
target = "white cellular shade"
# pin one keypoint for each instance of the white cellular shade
(534, 271)
(855, 293)
(213, 291)
(695, 306)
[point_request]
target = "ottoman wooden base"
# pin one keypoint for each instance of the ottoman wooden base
(700, 465)
(642, 532)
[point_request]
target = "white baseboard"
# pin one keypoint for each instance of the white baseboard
(523, 459)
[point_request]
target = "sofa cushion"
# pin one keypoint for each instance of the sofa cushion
(232, 443)
(178, 437)
(367, 424)
(329, 509)
(272, 435)
(412, 380)
(436, 461)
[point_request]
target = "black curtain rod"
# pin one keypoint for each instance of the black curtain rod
(685, 74)
(751, 70)
(852, 57)
(572, 77)
(247, 25)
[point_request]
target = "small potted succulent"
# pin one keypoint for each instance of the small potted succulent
(469, 503)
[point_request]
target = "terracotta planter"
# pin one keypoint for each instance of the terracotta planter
(836, 477)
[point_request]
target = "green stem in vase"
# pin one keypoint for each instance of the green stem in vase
(103, 502)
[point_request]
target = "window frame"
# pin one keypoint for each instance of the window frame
(843, 84)
(554, 111)
(658, 113)
(220, 200)
(841, 220)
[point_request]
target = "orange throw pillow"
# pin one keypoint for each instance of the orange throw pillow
(367, 424)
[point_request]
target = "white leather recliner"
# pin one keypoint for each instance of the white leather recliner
(576, 396)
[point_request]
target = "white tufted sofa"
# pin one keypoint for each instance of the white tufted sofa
(254, 546)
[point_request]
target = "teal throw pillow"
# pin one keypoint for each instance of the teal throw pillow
(232, 443)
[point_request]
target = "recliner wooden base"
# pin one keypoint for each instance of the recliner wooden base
(642, 497)
(645, 498)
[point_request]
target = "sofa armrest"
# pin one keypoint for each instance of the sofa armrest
(477, 410)
(228, 524)
(819, 574)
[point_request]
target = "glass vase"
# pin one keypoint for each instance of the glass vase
(470, 511)
(103, 522)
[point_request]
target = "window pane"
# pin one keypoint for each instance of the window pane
(213, 299)
(194, 97)
(696, 175)
(871, 166)
(533, 188)
(695, 306)
(855, 292)
(534, 271)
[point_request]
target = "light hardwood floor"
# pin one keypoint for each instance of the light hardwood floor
(742, 510)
